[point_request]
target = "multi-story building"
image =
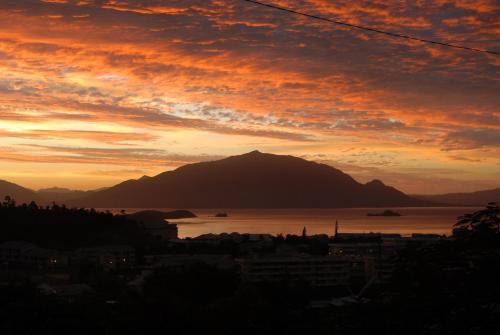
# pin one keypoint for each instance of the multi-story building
(314, 270)
(379, 267)
(179, 261)
(371, 255)
(359, 249)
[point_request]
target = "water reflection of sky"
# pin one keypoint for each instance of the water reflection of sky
(321, 221)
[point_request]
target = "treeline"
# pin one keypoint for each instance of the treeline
(63, 228)
(450, 287)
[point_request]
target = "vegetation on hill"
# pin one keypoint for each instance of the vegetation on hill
(59, 227)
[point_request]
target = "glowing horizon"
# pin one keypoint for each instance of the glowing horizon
(93, 92)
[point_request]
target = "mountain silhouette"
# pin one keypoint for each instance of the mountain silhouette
(479, 198)
(60, 195)
(252, 180)
(43, 196)
(18, 193)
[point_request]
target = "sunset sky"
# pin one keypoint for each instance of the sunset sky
(93, 92)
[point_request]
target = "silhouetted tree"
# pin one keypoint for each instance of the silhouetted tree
(57, 226)
(9, 202)
(33, 206)
(481, 224)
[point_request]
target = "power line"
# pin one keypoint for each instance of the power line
(374, 30)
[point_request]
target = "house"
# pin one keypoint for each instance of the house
(16, 253)
(162, 230)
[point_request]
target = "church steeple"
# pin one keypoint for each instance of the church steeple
(336, 228)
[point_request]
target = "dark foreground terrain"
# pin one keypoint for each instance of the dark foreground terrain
(447, 286)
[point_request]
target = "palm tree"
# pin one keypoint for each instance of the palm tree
(9, 202)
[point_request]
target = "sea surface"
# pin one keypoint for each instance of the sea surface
(435, 220)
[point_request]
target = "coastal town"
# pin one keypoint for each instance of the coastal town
(320, 261)
(138, 259)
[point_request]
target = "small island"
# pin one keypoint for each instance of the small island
(221, 215)
(387, 212)
(152, 215)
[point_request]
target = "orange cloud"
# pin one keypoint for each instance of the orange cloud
(130, 71)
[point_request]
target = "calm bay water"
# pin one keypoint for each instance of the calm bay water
(436, 220)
